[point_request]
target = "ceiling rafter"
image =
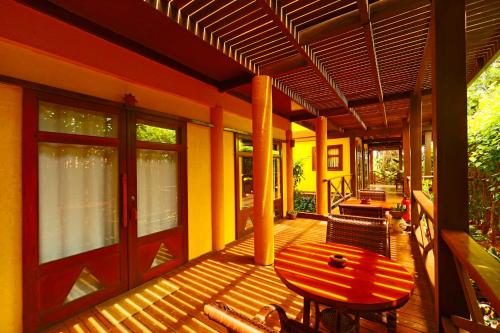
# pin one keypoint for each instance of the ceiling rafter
(350, 21)
(426, 58)
(273, 11)
(364, 13)
(176, 15)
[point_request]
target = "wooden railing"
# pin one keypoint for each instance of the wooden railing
(425, 230)
(339, 189)
(472, 262)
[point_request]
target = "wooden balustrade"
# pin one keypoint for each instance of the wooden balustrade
(424, 231)
(472, 262)
(339, 189)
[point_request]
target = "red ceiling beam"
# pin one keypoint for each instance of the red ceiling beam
(364, 13)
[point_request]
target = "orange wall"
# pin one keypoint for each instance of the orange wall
(11, 216)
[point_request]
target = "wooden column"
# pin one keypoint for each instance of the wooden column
(352, 163)
(321, 167)
(427, 150)
(415, 152)
(217, 176)
(406, 158)
(370, 168)
(449, 101)
(263, 211)
(289, 170)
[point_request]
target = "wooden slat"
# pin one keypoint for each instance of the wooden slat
(481, 266)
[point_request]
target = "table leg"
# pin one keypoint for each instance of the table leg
(307, 312)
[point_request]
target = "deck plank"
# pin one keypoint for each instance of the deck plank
(231, 276)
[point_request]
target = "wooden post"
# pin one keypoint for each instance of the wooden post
(406, 157)
(289, 170)
(371, 175)
(262, 109)
(427, 150)
(217, 176)
(449, 103)
(352, 163)
(321, 193)
(416, 153)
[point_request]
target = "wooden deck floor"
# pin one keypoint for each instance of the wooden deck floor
(231, 276)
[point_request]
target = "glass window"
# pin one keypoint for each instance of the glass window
(334, 157)
(246, 182)
(157, 134)
(277, 178)
(78, 199)
(245, 145)
(65, 119)
(157, 188)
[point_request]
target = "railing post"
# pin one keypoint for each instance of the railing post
(343, 186)
(328, 186)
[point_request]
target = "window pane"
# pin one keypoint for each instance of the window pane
(246, 182)
(78, 199)
(277, 178)
(156, 134)
(71, 120)
(157, 188)
(245, 145)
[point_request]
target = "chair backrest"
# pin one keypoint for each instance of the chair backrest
(366, 211)
(365, 232)
(372, 194)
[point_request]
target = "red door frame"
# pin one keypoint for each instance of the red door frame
(37, 278)
(143, 250)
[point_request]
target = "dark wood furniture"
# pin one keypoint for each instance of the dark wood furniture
(234, 321)
(369, 283)
(366, 232)
(378, 195)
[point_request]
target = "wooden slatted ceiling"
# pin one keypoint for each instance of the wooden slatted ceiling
(400, 42)
(482, 34)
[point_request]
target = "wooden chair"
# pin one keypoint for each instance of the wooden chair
(365, 232)
(372, 194)
(366, 211)
(235, 322)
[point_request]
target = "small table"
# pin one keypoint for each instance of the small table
(369, 282)
(373, 203)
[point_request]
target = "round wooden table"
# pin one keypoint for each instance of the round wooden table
(369, 282)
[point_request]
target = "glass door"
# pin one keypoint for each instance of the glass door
(244, 184)
(74, 251)
(157, 232)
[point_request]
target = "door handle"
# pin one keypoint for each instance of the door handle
(124, 201)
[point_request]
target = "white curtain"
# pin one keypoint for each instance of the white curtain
(157, 201)
(78, 199)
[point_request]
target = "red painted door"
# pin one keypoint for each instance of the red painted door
(156, 164)
(103, 203)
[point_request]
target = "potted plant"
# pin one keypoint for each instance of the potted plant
(292, 214)
(397, 211)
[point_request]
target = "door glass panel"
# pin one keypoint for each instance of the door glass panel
(156, 134)
(246, 182)
(157, 187)
(71, 120)
(277, 178)
(78, 199)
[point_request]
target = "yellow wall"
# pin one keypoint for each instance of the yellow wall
(199, 190)
(229, 189)
(11, 216)
(303, 151)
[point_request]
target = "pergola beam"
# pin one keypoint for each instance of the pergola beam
(388, 132)
(426, 58)
(273, 11)
(364, 13)
(335, 127)
(378, 11)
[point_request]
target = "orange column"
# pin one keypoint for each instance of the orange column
(217, 176)
(289, 170)
(321, 185)
(263, 211)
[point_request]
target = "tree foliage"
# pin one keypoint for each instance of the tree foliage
(484, 145)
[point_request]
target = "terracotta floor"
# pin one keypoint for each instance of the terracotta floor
(231, 276)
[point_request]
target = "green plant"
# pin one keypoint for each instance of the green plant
(305, 203)
(298, 172)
